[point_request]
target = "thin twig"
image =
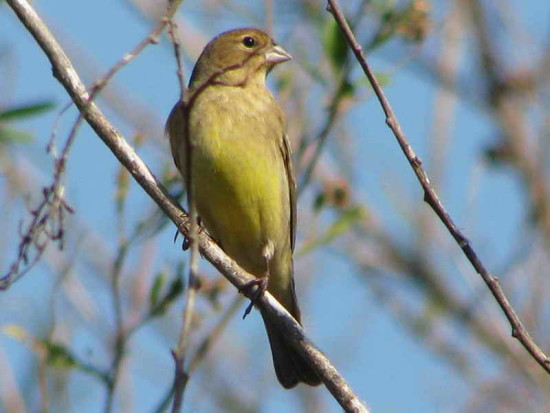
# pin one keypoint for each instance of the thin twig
(48, 219)
(181, 376)
(47, 224)
(99, 85)
(121, 334)
(50, 212)
(431, 198)
(203, 348)
(485, 330)
(172, 30)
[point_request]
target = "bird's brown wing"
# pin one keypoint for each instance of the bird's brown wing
(174, 129)
(287, 159)
(290, 367)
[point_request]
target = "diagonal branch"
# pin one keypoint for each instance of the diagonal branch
(68, 77)
(431, 198)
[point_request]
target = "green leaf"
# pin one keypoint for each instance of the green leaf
(10, 135)
(389, 21)
(335, 44)
(174, 290)
(58, 355)
(319, 202)
(26, 111)
(347, 90)
(159, 282)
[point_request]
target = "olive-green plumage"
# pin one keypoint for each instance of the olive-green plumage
(243, 184)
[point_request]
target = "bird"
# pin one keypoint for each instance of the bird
(243, 184)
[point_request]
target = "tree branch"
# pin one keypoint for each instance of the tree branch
(431, 198)
(68, 77)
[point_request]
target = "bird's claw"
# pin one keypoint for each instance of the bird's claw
(186, 243)
(261, 284)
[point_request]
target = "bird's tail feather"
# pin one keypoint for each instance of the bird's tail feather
(290, 367)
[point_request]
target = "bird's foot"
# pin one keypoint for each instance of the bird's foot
(186, 243)
(261, 284)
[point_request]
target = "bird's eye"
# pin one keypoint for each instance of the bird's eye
(249, 42)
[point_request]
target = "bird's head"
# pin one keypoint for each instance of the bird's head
(237, 57)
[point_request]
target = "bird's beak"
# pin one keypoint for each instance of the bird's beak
(277, 55)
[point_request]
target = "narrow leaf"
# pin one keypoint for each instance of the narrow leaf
(26, 111)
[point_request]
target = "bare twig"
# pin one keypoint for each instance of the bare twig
(172, 30)
(181, 376)
(48, 217)
(47, 225)
(203, 348)
(121, 333)
(489, 334)
(68, 77)
(431, 198)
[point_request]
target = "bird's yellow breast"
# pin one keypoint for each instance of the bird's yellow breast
(240, 182)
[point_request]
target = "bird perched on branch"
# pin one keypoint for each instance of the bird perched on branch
(241, 173)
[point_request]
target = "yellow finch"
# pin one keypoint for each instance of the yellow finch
(242, 180)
